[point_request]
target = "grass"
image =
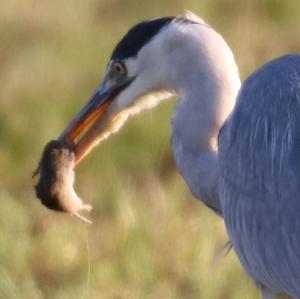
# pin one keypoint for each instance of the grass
(150, 238)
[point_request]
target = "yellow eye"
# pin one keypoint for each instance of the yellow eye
(119, 68)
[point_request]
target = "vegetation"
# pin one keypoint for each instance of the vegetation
(150, 238)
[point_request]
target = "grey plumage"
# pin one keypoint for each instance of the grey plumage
(259, 150)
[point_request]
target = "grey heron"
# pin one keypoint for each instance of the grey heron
(246, 171)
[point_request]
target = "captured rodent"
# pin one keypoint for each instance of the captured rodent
(55, 186)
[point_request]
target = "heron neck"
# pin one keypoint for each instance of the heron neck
(206, 101)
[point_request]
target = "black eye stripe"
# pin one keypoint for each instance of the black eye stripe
(138, 36)
(141, 34)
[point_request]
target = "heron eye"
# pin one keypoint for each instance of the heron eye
(119, 68)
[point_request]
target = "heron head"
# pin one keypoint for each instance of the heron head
(138, 76)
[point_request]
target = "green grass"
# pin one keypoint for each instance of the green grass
(150, 238)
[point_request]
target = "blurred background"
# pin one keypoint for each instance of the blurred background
(150, 237)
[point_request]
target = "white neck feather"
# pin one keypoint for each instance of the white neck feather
(208, 86)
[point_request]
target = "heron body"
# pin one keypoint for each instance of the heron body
(259, 150)
(256, 162)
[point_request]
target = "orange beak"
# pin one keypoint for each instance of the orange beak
(82, 131)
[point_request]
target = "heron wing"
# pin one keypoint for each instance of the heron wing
(259, 155)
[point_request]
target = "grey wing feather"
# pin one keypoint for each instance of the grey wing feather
(259, 155)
